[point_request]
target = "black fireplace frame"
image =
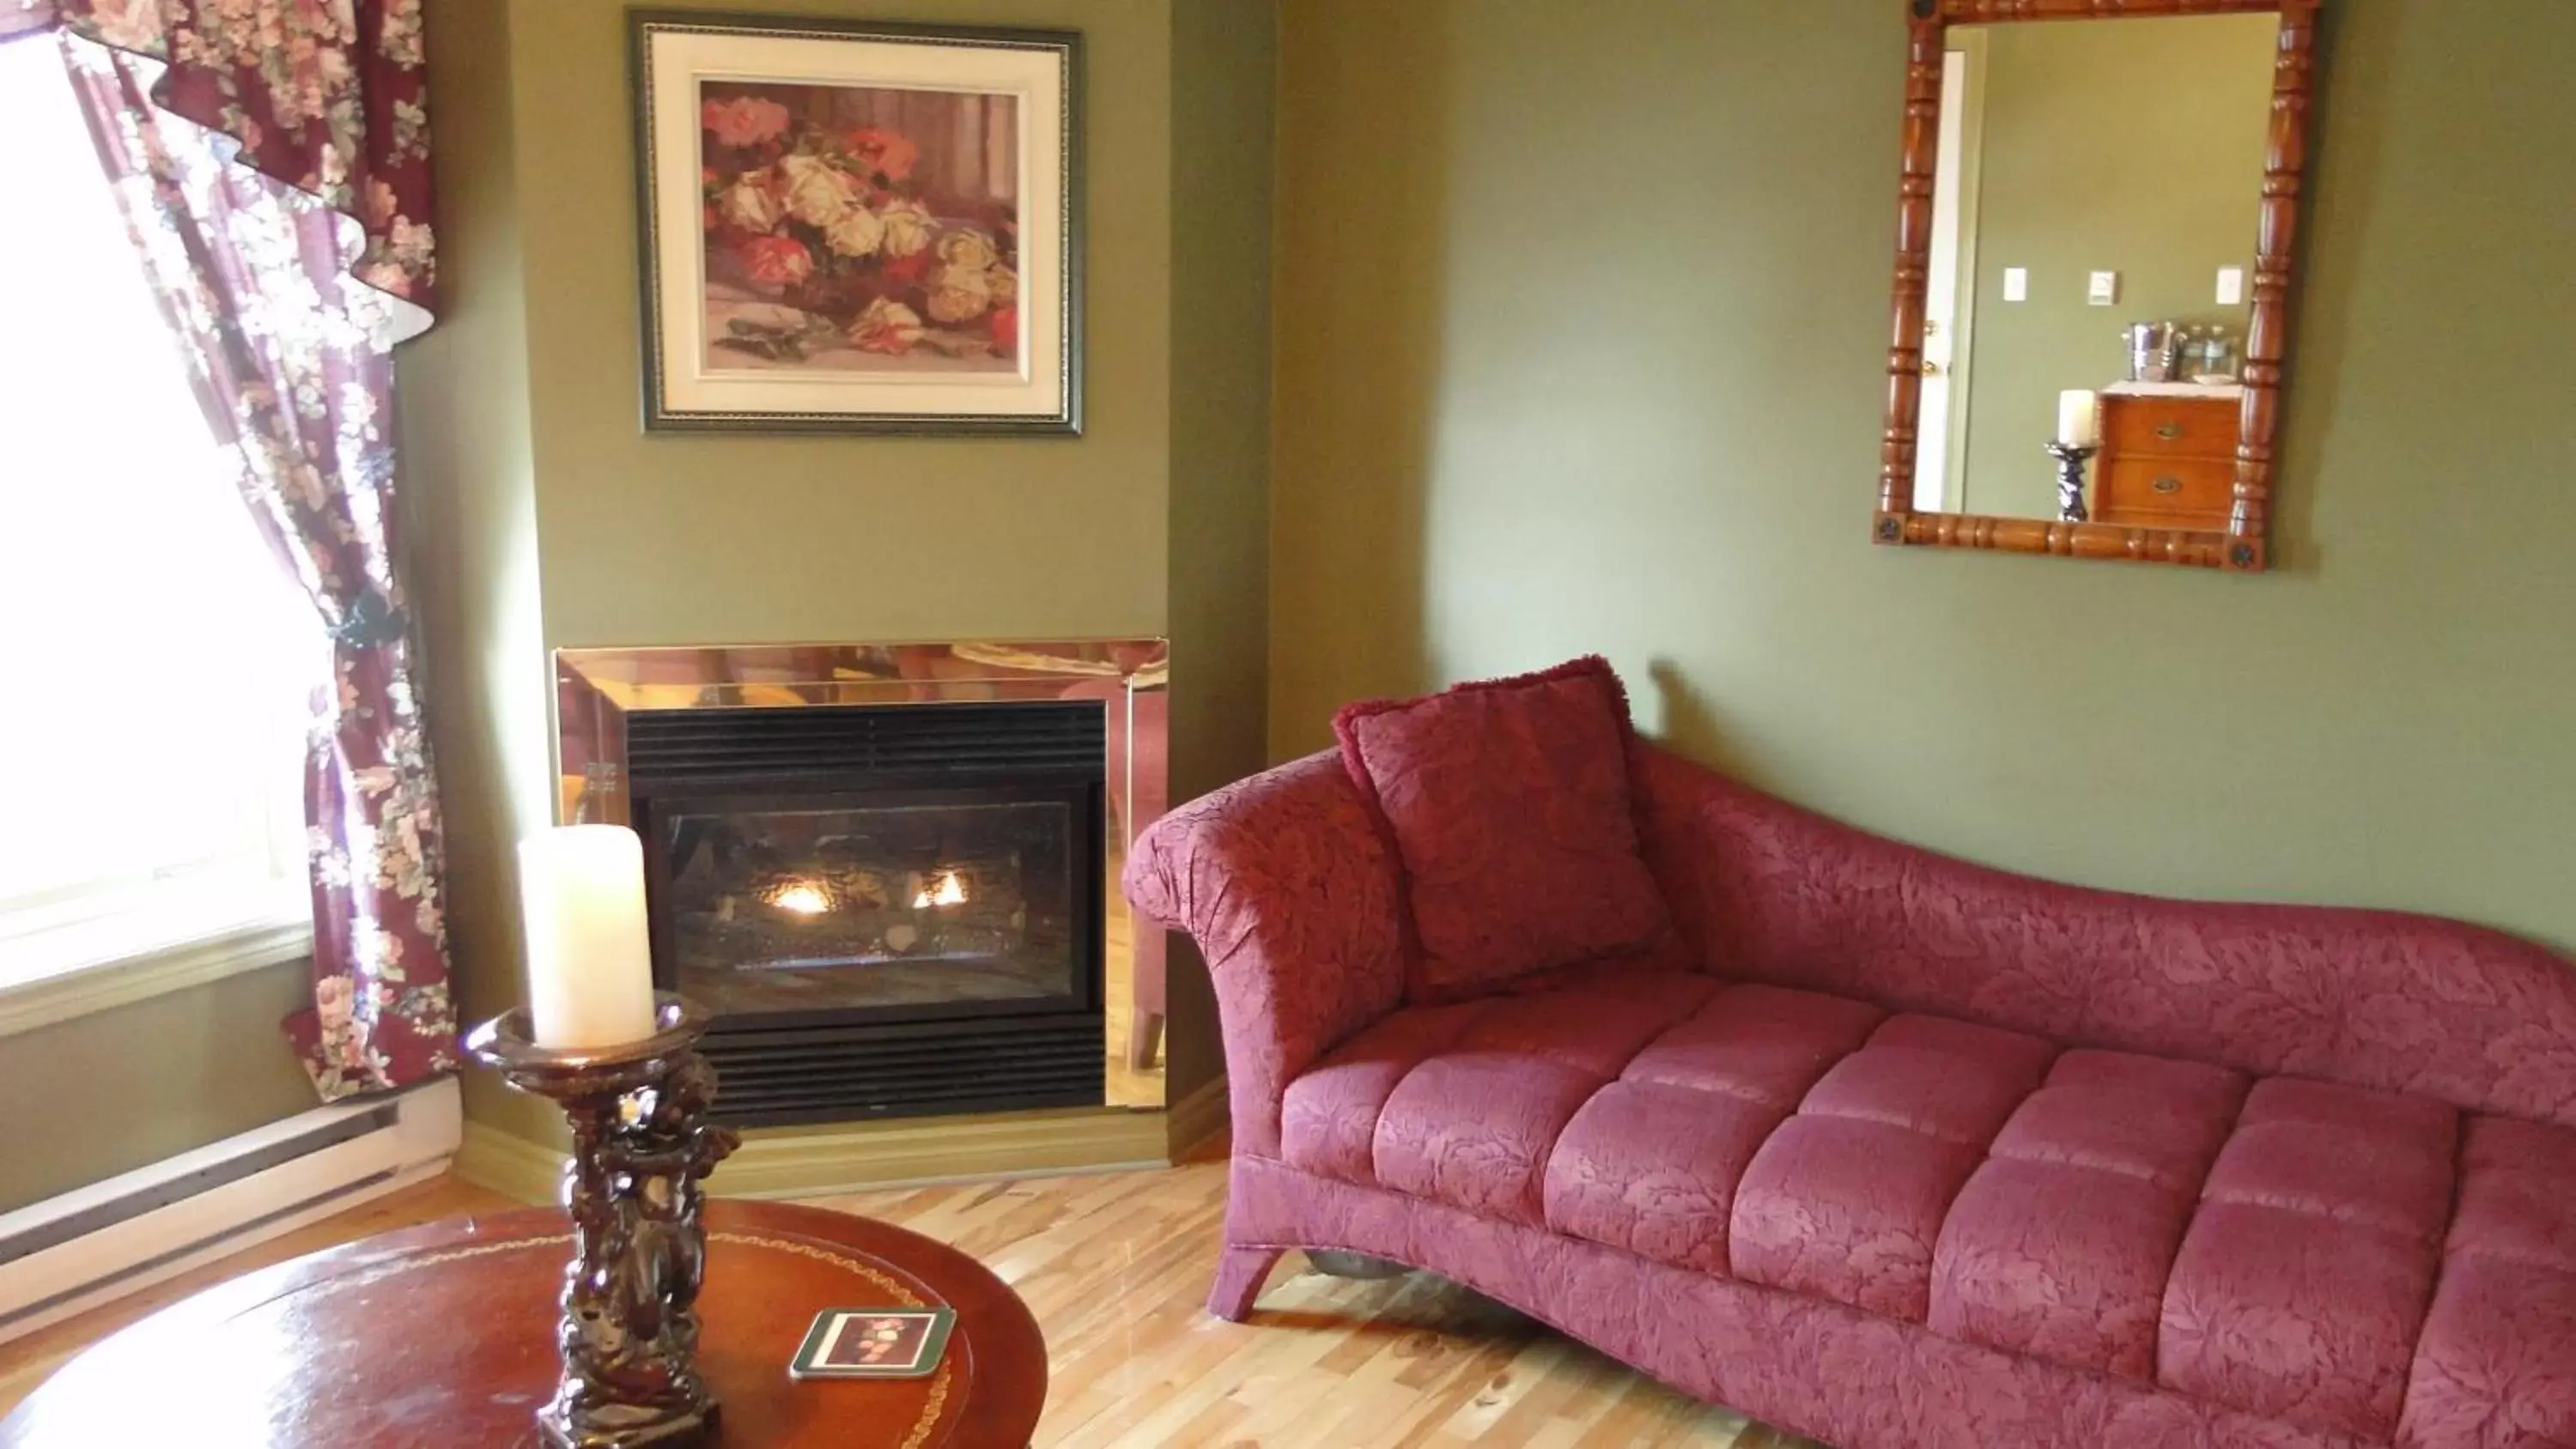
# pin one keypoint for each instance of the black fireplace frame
(863, 1063)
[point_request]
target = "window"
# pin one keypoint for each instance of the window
(157, 660)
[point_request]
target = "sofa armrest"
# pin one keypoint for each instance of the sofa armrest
(1290, 892)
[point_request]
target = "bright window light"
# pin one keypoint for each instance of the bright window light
(158, 661)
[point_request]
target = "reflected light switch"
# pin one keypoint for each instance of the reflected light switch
(2103, 289)
(2016, 284)
(2231, 286)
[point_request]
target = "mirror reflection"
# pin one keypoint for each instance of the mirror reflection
(2095, 214)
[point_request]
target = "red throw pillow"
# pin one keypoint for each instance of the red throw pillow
(1508, 803)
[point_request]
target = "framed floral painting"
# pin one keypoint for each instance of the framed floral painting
(858, 227)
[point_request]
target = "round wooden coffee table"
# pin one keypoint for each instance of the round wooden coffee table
(442, 1337)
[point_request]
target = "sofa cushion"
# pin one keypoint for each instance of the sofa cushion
(1447, 1101)
(1476, 1129)
(1847, 1209)
(2310, 1254)
(1944, 1079)
(1847, 1199)
(2059, 1245)
(2062, 1263)
(1652, 1168)
(2496, 1363)
(1508, 804)
(2155, 1120)
(2496, 1367)
(2517, 1185)
(2294, 1316)
(2302, 1284)
(1764, 1044)
(1328, 1117)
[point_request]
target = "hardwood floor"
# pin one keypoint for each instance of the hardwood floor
(1115, 1267)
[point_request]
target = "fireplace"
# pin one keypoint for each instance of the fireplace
(875, 905)
(895, 902)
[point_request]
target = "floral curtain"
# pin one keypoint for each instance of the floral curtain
(327, 96)
(286, 317)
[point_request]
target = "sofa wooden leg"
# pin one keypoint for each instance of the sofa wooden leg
(1240, 1274)
(1144, 1039)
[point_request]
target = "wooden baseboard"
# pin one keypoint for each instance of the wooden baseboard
(1197, 1120)
(510, 1165)
(801, 1162)
(792, 1162)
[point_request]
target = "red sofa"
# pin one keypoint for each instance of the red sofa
(1898, 1152)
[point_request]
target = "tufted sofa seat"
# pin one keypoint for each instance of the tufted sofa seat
(1897, 1152)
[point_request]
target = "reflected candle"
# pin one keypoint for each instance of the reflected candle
(2076, 420)
(590, 955)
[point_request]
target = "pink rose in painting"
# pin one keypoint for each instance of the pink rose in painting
(888, 327)
(1005, 326)
(775, 261)
(744, 120)
(882, 152)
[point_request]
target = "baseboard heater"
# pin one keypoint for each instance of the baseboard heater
(71, 1253)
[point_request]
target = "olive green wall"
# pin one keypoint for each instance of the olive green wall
(545, 518)
(1225, 59)
(1582, 325)
(470, 506)
(121, 1089)
(2136, 147)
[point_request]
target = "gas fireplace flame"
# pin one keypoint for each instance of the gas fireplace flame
(801, 898)
(948, 890)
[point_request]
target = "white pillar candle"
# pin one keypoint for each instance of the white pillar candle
(2077, 422)
(590, 954)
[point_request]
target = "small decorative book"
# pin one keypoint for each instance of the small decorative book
(873, 1343)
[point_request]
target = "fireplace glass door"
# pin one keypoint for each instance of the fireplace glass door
(885, 905)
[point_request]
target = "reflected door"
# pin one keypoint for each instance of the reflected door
(1941, 445)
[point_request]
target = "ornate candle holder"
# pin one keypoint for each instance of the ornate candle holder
(641, 1143)
(2070, 481)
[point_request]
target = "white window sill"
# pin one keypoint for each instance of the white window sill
(49, 993)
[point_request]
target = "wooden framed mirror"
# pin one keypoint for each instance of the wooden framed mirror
(2095, 248)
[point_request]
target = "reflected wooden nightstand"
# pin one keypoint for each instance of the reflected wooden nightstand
(2168, 456)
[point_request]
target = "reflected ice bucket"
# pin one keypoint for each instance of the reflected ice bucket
(2154, 349)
